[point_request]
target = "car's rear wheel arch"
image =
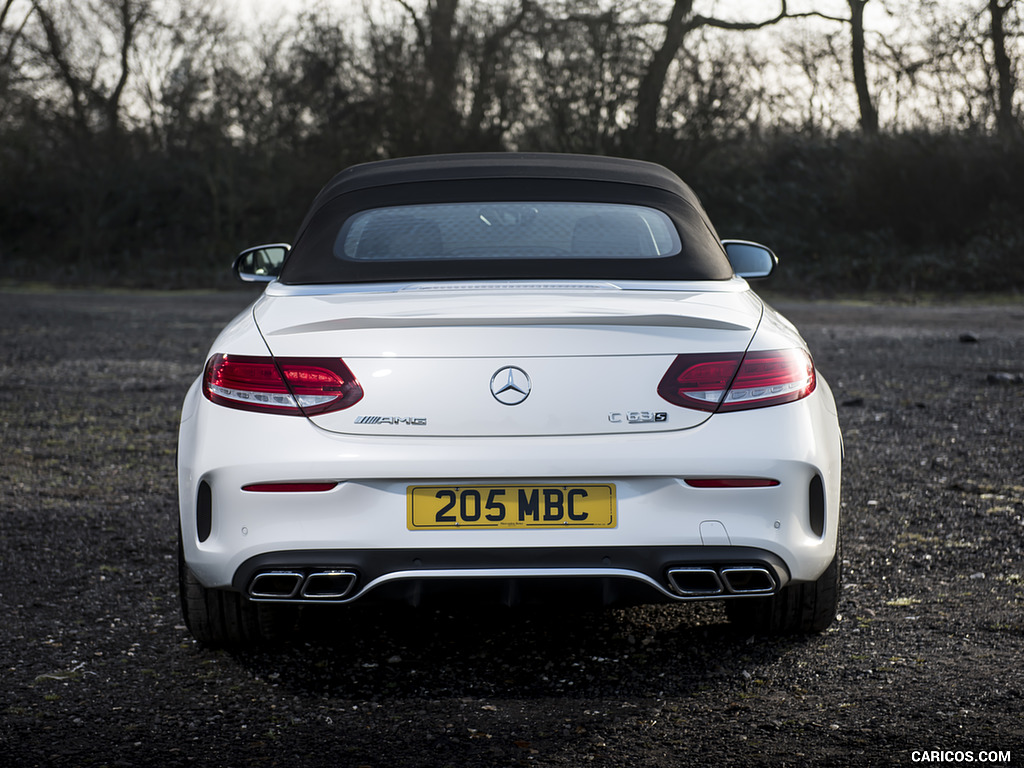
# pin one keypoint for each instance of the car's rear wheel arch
(221, 618)
(798, 608)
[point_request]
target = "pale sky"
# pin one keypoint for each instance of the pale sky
(267, 10)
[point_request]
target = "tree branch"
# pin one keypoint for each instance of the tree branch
(705, 21)
(421, 31)
(818, 15)
(8, 55)
(58, 54)
(129, 23)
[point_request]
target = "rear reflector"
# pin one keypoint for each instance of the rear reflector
(289, 487)
(731, 482)
(290, 385)
(734, 382)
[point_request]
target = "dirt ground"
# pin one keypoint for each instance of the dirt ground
(98, 669)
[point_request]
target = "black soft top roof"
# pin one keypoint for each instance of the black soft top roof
(503, 176)
(504, 165)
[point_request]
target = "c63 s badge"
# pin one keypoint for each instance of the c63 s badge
(637, 417)
(412, 421)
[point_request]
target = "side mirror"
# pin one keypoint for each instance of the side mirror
(750, 260)
(260, 264)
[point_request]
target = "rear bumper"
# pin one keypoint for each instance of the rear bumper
(361, 522)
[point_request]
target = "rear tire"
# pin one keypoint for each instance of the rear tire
(220, 618)
(798, 609)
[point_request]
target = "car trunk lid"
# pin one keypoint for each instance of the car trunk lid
(498, 361)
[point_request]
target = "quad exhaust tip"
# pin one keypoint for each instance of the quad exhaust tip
(276, 585)
(298, 585)
(701, 581)
(746, 580)
(328, 585)
(695, 582)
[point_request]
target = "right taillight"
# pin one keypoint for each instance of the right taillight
(289, 385)
(737, 382)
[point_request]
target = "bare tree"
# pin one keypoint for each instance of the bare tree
(868, 113)
(175, 79)
(73, 45)
(967, 64)
(858, 57)
(681, 21)
(494, 74)
(11, 38)
(811, 97)
(440, 42)
(1006, 121)
(443, 73)
(710, 96)
(582, 75)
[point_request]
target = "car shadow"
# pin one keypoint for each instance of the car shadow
(372, 654)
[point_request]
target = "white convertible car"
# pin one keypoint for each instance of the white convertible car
(514, 378)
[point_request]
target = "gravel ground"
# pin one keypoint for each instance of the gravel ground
(98, 668)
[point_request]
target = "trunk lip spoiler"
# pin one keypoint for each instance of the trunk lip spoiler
(477, 321)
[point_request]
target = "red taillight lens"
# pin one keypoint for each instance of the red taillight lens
(289, 487)
(290, 385)
(731, 482)
(734, 382)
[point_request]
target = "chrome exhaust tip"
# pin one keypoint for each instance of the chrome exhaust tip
(328, 585)
(749, 580)
(695, 582)
(275, 585)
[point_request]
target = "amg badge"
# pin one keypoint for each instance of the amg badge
(412, 421)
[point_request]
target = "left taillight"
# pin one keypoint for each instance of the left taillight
(738, 382)
(290, 385)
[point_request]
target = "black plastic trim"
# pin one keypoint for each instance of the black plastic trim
(204, 511)
(816, 506)
(371, 564)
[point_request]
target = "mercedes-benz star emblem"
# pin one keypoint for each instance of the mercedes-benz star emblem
(510, 385)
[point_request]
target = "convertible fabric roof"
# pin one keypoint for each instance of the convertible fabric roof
(499, 166)
(492, 177)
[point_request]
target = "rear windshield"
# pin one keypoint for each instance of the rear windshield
(507, 230)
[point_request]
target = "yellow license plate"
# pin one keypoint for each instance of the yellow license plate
(510, 506)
